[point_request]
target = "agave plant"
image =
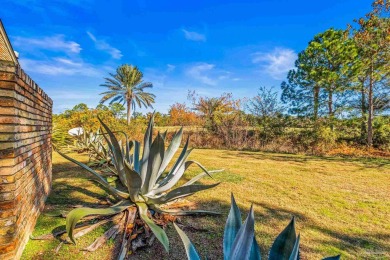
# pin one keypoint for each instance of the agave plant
(148, 183)
(93, 144)
(239, 240)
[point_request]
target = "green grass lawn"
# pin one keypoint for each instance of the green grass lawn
(342, 206)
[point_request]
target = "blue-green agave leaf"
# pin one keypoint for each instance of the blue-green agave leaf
(232, 226)
(200, 176)
(99, 178)
(129, 146)
(178, 212)
(136, 156)
(171, 150)
(190, 162)
(255, 251)
(336, 257)
(295, 253)
(116, 152)
(133, 181)
(179, 162)
(284, 243)
(146, 151)
(180, 192)
(170, 181)
(164, 135)
(155, 158)
(191, 252)
(172, 177)
(242, 244)
(157, 231)
(75, 215)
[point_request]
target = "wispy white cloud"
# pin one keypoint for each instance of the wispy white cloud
(69, 62)
(104, 46)
(222, 77)
(200, 72)
(194, 36)
(59, 66)
(53, 43)
(277, 62)
(170, 67)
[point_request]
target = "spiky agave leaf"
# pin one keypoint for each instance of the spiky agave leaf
(136, 162)
(100, 179)
(191, 252)
(133, 181)
(129, 146)
(255, 253)
(174, 174)
(156, 157)
(336, 257)
(116, 151)
(146, 151)
(233, 224)
(232, 227)
(239, 240)
(180, 192)
(242, 244)
(157, 231)
(200, 176)
(178, 212)
(75, 215)
(164, 135)
(295, 253)
(171, 150)
(283, 245)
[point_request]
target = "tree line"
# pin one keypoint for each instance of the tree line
(337, 93)
(344, 73)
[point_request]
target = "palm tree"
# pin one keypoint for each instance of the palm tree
(127, 86)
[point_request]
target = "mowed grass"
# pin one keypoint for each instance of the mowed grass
(341, 206)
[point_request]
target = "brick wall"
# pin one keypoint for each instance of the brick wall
(25, 157)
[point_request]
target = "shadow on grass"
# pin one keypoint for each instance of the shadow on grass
(371, 244)
(368, 162)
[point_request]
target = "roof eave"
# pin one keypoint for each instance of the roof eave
(8, 44)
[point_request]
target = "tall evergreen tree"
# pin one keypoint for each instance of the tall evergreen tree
(323, 71)
(373, 39)
(334, 54)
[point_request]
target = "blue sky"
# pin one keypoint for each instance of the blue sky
(209, 46)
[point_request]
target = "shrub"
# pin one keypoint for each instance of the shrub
(382, 132)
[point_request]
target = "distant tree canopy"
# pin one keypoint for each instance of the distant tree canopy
(181, 115)
(342, 72)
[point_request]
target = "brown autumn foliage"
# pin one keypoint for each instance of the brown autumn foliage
(181, 115)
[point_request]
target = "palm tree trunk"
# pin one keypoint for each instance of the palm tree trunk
(128, 111)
